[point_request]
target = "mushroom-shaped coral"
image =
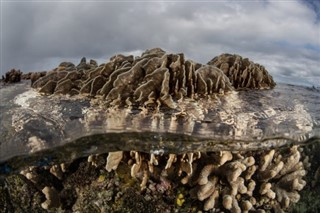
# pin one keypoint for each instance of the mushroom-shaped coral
(228, 181)
(235, 181)
(113, 160)
(52, 198)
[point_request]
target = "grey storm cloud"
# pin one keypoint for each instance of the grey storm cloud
(284, 36)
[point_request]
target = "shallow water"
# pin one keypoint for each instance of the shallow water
(46, 129)
(39, 134)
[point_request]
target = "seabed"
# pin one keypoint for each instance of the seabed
(142, 182)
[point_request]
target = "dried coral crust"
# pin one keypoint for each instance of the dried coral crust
(155, 77)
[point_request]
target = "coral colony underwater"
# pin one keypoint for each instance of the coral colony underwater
(158, 133)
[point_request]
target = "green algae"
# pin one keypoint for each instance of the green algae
(18, 194)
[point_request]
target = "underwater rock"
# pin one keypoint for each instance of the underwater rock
(316, 177)
(134, 202)
(242, 72)
(18, 194)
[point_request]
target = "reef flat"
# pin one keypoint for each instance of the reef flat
(157, 132)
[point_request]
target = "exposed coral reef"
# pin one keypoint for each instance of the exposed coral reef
(242, 72)
(12, 76)
(33, 76)
(153, 78)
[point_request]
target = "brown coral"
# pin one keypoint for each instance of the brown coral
(12, 76)
(154, 77)
(242, 72)
(218, 180)
(235, 181)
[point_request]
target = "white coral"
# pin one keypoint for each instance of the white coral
(113, 160)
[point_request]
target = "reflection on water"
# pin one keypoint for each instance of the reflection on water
(258, 148)
(243, 120)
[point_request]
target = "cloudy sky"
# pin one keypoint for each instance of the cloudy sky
(282, 35)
